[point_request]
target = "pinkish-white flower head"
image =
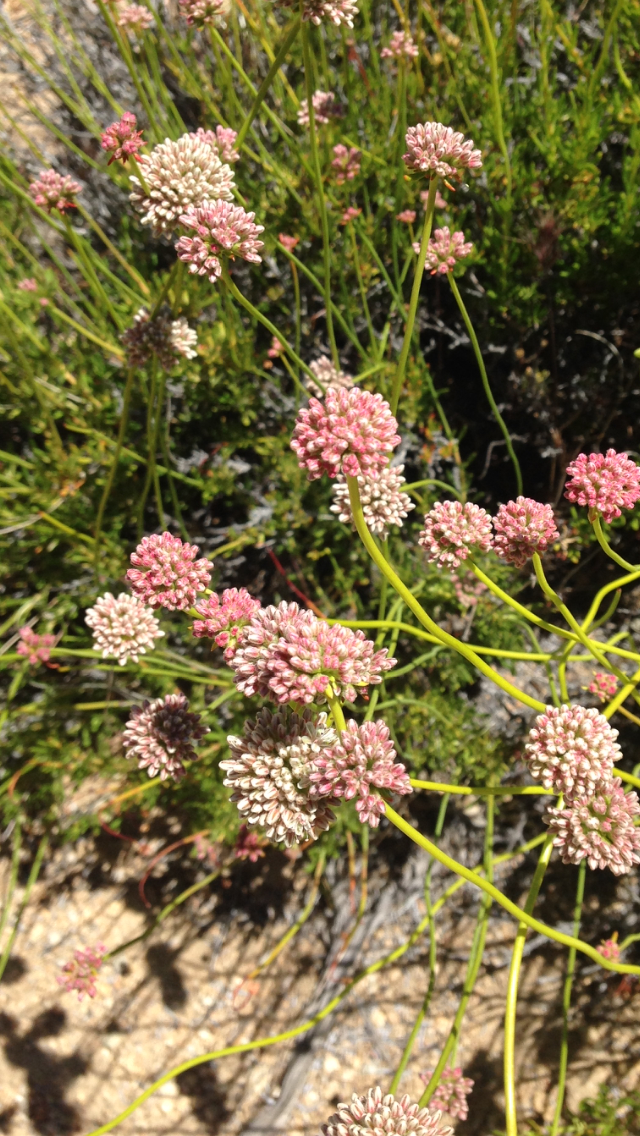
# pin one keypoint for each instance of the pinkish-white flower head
(364, 758)
(289, 243)
(121, 139)
(350, 214)
(610, 948)
(179, 176)
(80, 974)
(598, 827)
(451, 1093)
(292, 656)
(523, 527)
(205, 13)
(225, 618)
(161, 735)
(603, 686)
(27, 285)
(452, 532)
(162, 336)
(445, 250)
(468, 589)
(436, 149)
(221, 230)
(123, 628)
(223, 140)
(136, 18)
(407, 216)
(606, 483)
(377, 1115)
(571, 749)
(52, 190)
(33, 647)
(401, 45)
(350, 431)
(440, 201)
(335, 12)
(268, 771)
(172, 573)
(248, 845)
(346, 162)
(325, 107)
(328, 375)
(383, 502)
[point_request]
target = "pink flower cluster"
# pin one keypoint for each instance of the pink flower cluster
(292, 656)
(52, 190)
(445, 250)
(607, 483)
(363, 757)
(453, 531)
(599, 828)
(201, 13)
(172, 574)
(401, 44)
(35, 648)
(407, 216)
(346, 163)
(325, 107)
(378, 1115)
(136, 17)
(350, 214)
(121, 139)
(603, 685)
(221, 229)
(248, 846)
(27, 285)
(451, 1093)
(225, 618)
(223, 139)
(161, 735)
(80, 974)
(571, 749)
(288, 242)
(436, 149)
(523, 527)
(610, 948)
(351, 431)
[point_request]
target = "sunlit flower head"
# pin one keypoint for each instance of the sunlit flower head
(325, 107)
(33, 647)
(445, 250)
(167, 572)
(350, 214)
(401, 45)
(123, 627)
(606, 482)
(603, 685)
(407, 216)
(346, 162)
(375, 1114)
(451, 1093)
(328, 375)
(335, 12)
(599, 828)
(223, 140)
(453, 532)
(203, 13)
(436, 149)
(523, 527)
(225, 619)
(52, 190)
(179, 176)
(81, 973)
(363, 758)
(571, 749)
(350, 431)
(383, 502)
(136, 18)
(221, 231)
(610, 948)
(121, 139)
(161, 735)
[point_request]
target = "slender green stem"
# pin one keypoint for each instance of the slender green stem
(604, 544)
(495, 94)
(336, 712)
(566, 1003)
(361, 287)
(124, 418)
(290, 36)
(483, 790)
(166, 911)
(302, 267)
(13, 875)
(122, 261)
(415, 295)
(249, 307)
(33, 875)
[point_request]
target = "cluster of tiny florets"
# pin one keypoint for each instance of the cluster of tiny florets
(160, 734)
(326, 11)
(201, 13)
(606, 482)
(363, 757)
(437, 149)
(377, 1115)
(351, 431)
(346, 162)
(445, 250)
(350, 214)
(224, 619)
(248, 845)
(383, 502)
(52, 190)
(220, 229)
(268, 772)
(401, 44)
(325, 107)
(571, 749)
(603, 685)
(179, 176)
(452, 532)
(166, 338)
(328, 375)
(452, 1092)
(523, 527)
(610, 948)
(223, 139)
(28, 284)
(121, 139)
(407, 216)
(81, 972)
(172, 574)
(135, 17)
(33, 647)
(123, 627)
(599, 828)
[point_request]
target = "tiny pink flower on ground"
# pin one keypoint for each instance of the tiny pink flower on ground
(452, 532)
(172, 574)
(610, 948)
(328, 375)
(408, 216)
(179, 176)
(436, 149)
(363, 757)
(383, 502)
(288, 242)
(523, 527)
(35, 648)
(268, 772)
(52, 190)
(27, 285)
(603, 685)
(121, 139)
(336, 12)
(80, 974)
(136, 17)
(350, 214)
(276, 348)
(445, 250)
(451, 1093)
(401, 44)
(352, 431)
(325, 107)
(346, 163)
(376, 1114)
(160, 734)
(598, 827)
(123, 628)
(203, 13)
(223, 140)
(606, 482)
(225, 618)
(248, 846)
(223, 230)
(440, 201)
(571, 749)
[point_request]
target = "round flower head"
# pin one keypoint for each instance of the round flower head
(328, 375)
(123, 628)
(452, 532)
(346, 163)
(162, 336)
(325, 107)
(351, 431)
(135, 17)
(248, 846)
(376, 1115)
(202, 13)
(383, 502)
(173, 575)
(401, 44)
(80, 974)
(603, 685)
(289, 243)
(178, 176)
(28, 284)
(35, 648)
(121, 139)
(445, 250)
(326, 11)
(364, 757)
(223, 140)
(610, 948)
(221, 230)
(437, 149)
(451, 1093)
(599, 828)
(268, 772)
(224, 619)
(51, 190)
(407, 217)
(161, 735)
(523, 527)
(571, 749)
(606, 482)
(350, 214)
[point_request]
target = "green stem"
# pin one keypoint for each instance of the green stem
(249, 307)
(267, 81)
(124, 418)
(166, 911)
(361, 287)
(604, 544)
(337, 712)
(13, 875)
(135, 276)
(33, 875)
(566, 1003)
(415, 295)
(495, 94)
(483, 790)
